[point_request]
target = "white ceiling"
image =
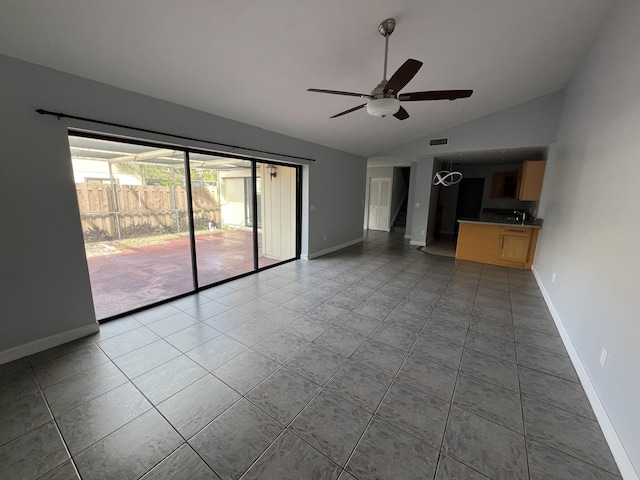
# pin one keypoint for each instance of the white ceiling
(252, 61)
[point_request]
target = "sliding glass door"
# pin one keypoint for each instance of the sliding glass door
(223, 231)
(135, 222)
(151, 233)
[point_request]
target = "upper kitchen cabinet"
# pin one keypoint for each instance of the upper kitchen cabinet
(504, 184)
(530, 179)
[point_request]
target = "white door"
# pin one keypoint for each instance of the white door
(379, 204)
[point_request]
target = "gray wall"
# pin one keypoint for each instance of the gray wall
(410, 200)
(43, 272)
(529, 124)
(591, 234)
(422, 172)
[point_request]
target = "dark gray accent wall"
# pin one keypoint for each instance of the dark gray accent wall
(43, 272)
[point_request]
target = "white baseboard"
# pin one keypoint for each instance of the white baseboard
(332, 249)
(618, 451)
(418, 243)
(45, 343)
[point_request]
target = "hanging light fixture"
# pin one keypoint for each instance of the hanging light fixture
(381, 107)
(272, 171)
(446, 178)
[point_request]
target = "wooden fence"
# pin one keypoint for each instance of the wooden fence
(122, 211)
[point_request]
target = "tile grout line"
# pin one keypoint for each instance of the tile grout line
(446, 423)
(155, 407)
(321, 389)
(524, 428)
(389, 388)
(71, 458)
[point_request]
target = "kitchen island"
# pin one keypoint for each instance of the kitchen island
(497, 242)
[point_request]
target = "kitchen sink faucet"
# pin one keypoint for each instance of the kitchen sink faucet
(522, 214)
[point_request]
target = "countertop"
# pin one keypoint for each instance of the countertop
(537, 223)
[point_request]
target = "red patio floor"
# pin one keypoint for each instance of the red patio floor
(136, 277)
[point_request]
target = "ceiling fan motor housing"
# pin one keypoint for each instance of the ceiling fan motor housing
(382, 104)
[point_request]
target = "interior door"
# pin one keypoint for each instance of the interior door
(379, 204)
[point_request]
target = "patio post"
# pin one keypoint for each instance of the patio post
(115, 201)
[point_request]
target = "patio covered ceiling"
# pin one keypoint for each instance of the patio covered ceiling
(93, 149)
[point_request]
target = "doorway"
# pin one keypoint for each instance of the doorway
(470, 194)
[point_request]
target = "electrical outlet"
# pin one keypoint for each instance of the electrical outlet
(553, 277)
(325, 237)
(603, 356)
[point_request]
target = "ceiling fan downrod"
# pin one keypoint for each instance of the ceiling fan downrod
(386, 28)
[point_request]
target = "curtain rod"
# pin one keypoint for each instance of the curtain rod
(192, 139)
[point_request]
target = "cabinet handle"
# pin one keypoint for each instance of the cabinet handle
(501, 242)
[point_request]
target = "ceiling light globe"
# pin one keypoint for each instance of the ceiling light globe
(381, 107)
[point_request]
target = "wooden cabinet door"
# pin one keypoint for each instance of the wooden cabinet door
(530, 180)
(514, 248)
(504, 184)
(478, 242)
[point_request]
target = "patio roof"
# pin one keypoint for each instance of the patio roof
(83, 148)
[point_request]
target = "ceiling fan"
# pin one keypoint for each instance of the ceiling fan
(385, 98)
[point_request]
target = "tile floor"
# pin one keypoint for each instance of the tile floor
(376, 362)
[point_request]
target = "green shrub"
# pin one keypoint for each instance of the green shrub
(96, 234)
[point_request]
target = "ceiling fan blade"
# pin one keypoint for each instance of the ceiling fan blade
(403, 76)
(349, 111)
(435, 95)
(401, 114)
(337, 92)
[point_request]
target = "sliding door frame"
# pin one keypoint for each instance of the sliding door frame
(72, 132)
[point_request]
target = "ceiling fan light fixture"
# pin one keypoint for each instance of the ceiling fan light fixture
(386, 97)
(381, 107)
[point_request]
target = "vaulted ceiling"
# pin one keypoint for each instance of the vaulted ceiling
(252, 61)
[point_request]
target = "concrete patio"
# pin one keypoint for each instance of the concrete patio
(124, 278)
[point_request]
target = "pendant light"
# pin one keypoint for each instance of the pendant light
(446, 178)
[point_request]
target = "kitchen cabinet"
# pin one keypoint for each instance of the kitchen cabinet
(504, 184)
(530, 178)
(514, 244)
(478, 242)
(497, 244)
